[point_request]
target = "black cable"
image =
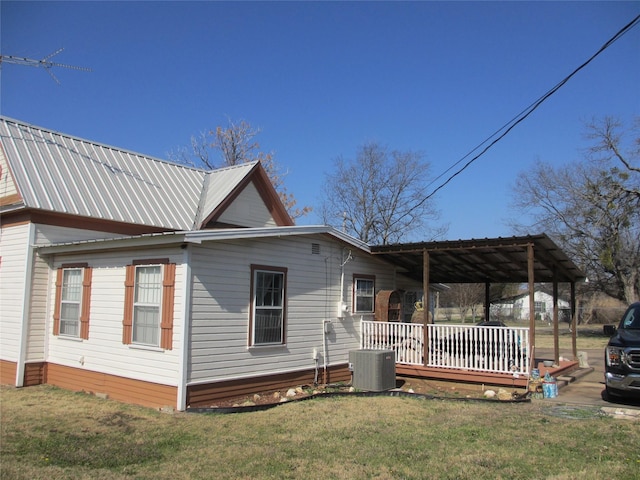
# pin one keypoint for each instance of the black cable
(524, 114)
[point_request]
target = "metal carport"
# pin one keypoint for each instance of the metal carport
(523, 259)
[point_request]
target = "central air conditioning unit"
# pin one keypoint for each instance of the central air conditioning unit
(373, 370)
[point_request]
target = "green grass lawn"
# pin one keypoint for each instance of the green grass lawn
(50, 434)
(588, 337)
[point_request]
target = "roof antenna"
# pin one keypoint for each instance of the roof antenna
(46, 63)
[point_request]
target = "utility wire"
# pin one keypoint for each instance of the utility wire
(510, 125)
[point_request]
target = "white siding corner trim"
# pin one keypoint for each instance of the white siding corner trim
(26, 305)
(185, 352)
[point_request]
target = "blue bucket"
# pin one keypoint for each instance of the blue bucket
(550, 388)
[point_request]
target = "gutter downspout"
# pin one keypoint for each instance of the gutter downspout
(26, 307)
(185, 341)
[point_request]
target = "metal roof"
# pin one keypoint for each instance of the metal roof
(494, 260)
(65, 174)
(197, 237)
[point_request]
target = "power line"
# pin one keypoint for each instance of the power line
(510, 125)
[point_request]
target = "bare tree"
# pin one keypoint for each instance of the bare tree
(471, 297)
(592, 209)
(235, 144)
(378, 197)
(607, 137)
(465, 297)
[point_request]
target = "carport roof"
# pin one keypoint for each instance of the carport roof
(493, 260)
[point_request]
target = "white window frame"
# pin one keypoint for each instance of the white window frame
(67, 322)
(358, 292)
(140, 305)
(258, 305)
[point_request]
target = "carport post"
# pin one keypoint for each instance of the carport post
(532, 304)
(574, 323)
(425, 307)
(556, 340)
(487, 300)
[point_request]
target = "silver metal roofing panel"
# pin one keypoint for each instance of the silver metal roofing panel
(198, 237)
(61, 173)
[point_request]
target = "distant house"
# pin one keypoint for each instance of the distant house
(163, 285)
(517, 307)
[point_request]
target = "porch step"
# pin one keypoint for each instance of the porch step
(564, 380)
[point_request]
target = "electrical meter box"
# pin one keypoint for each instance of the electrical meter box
(373, 370)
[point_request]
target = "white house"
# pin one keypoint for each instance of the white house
(517, 307)
(164, 285)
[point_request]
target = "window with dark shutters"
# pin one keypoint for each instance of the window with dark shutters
(149, 303)
(71, 311)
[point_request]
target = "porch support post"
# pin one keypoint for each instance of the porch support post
(425, 307)
(556, 341)
(532, 305)
(487, 300)
(574, 329)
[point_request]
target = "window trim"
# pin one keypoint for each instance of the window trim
(252, 308)
(84, 304)
(166, 307)
(354, 302)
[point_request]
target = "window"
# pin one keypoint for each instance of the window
(146, 305)
(363, 293)
(72, 302)
(540, 307)
(149, 301)
(268, 305)
(632, 318)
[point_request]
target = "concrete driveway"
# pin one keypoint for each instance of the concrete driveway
(586, 387)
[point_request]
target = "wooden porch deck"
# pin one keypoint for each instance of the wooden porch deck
(488, 378)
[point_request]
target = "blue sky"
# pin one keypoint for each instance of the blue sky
(321, 79)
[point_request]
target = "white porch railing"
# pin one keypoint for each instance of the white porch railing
(464, 347)
(406, 339)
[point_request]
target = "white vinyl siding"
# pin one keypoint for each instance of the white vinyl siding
(36, 343)
(13, 245)
(220, 331)
(248, 210)
(104, 351)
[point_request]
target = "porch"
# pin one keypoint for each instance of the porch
(465, 353)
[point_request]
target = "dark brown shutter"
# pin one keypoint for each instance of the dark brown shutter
(57, 304)
(86, 303)
(168, 294)
(127, 321)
